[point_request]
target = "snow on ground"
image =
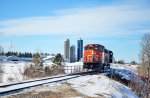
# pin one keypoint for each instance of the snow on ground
(48, 63)
(101, 86)
(33, 83)
(91, 85)
(130, 67)
(74, 64)
(13, 71)
(126, 72)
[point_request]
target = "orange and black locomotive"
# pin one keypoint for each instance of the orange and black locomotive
(96, 57)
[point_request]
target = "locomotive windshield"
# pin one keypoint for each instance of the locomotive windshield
(94, 48)
(101, 48)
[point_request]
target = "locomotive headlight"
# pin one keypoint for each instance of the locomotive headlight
(96, 58)
(92, 52)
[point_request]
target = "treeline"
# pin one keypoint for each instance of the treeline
(123, 62)
(20, 54)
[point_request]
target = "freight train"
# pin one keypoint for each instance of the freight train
(97, 57)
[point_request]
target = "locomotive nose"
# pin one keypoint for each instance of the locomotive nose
(93, 52)
(94, 56)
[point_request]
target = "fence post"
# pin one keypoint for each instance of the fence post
(67, 69)
(71, 69)
(79, 69)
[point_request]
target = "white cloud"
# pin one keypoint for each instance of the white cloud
(100, 20)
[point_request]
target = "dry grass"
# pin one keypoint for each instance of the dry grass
(59, 91)
(32, 72)
(66, 91)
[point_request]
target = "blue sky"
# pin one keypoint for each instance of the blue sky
(42, 25)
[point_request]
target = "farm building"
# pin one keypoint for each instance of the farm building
(13, 58)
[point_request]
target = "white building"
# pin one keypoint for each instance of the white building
(49, 58)
(13, 58)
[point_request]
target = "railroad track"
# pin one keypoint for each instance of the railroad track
(18, 87)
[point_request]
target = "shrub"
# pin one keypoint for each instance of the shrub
(1, 72)
(133, 62)
(121, 62)
(1, 69)
(58, 59)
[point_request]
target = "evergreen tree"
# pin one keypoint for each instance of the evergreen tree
(133, 62)
(37, 61)
(58, 59)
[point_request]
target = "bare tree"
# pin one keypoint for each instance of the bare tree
(1, 66)
(144, 68)
(1, 72)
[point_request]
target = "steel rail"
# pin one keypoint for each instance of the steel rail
(16, 90)
(79, 73)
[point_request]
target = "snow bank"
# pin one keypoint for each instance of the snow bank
(101, 86)
(74, 64)
(130, 67)
(125, 71)
(13, 71)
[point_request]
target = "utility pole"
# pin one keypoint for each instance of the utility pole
(11, 48)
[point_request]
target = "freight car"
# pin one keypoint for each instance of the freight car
(97, 57)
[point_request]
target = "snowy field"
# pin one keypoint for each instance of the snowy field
(13, 71)
(101, 86)
(92, 85)
(128, 72)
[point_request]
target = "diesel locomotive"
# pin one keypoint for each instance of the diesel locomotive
(97, 57)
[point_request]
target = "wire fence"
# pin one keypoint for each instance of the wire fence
(73, 69)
